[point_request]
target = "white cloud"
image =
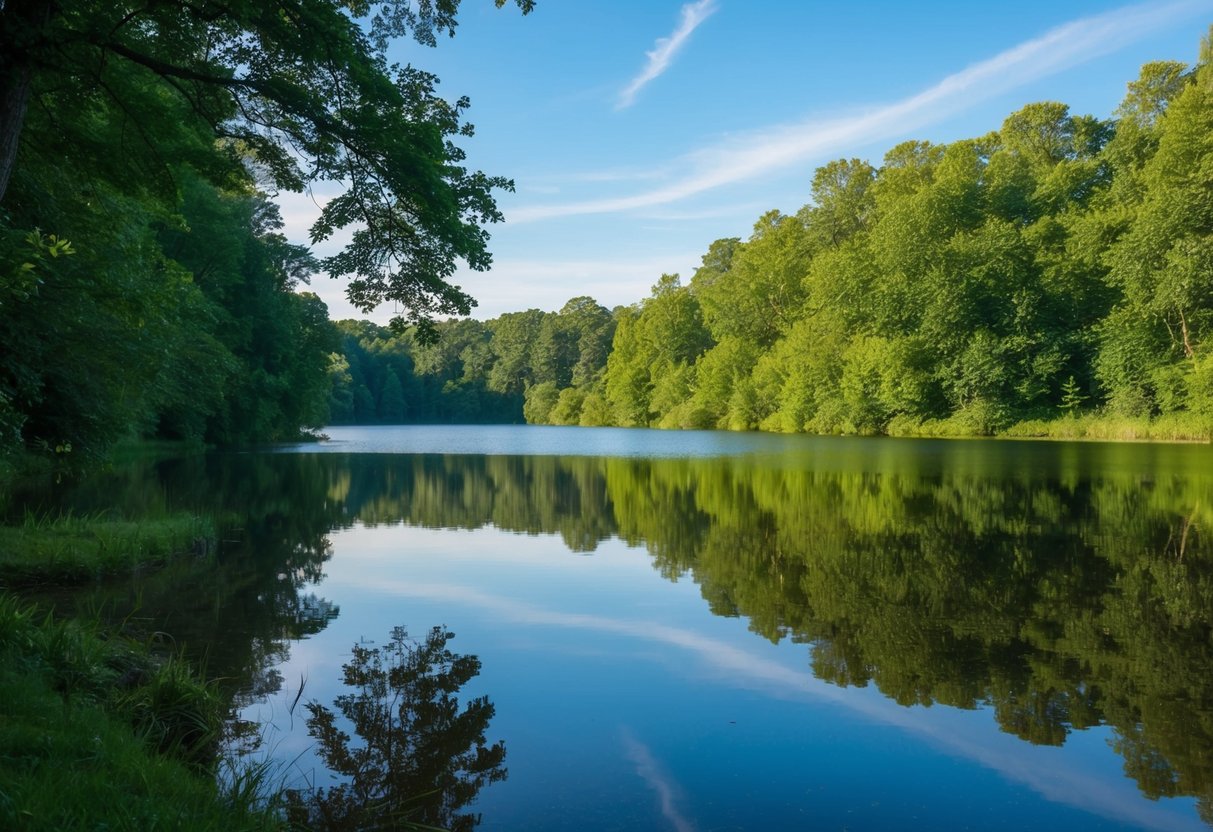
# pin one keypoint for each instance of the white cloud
(669, 795)
(779, 147)
(968, 734)
(664, 50)
(550, 283)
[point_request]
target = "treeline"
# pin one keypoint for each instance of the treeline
(145, 287)
(1060, 266)
(505, 370)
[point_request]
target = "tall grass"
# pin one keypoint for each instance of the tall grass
(1171, 427)
(97, 733)
(67, 548)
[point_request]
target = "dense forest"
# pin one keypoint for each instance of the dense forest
(505, 370)
(1061, 265)
(146, 288)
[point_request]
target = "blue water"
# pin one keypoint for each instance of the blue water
(624, 703)
(508, 440)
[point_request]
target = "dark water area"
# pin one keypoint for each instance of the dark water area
(699, 631)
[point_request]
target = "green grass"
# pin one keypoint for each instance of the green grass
(69, 548)
(131, 450)
(95, 733)
(1175, 427)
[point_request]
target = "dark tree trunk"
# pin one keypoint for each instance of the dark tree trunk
(22, 25)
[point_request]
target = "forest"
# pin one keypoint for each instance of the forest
(146, 287)
(1058, 268)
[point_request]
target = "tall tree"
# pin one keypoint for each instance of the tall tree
(1156, 353)
(302, 87)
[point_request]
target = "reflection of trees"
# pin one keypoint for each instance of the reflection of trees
(1061, 586)
(238, 610)
(421, 758)
(1060, 593)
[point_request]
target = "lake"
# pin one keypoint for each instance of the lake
(634, 629)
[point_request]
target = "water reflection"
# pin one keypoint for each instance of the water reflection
(420, 759)
(1061, 587)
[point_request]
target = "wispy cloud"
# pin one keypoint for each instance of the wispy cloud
(765, 151)
(668, 793)
(664, 50)
(549, 283)
(1041, 768)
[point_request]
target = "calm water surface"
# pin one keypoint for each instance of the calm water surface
(707, 631)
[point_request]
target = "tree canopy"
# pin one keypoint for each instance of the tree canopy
(1056, 267)
(303, 92)
(146, 287)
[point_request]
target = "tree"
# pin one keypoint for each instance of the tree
(422, 758)
(628, 386)
(302, 90)
(514, 335)
(391, 400)
(842, 200)
(1163, 264)
(761, 294)
(540, 400)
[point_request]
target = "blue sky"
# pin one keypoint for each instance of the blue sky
(639, 131)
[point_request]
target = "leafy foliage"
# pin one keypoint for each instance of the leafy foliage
(1058, 265)
(145, 284)
(421, 758)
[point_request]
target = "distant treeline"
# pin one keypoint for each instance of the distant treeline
(474, 372)
(1061, 265)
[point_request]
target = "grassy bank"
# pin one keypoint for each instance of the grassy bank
(68, 548)
(97, 733)
(1176, 427)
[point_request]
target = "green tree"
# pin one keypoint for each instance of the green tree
(843, 202)
(421, 757)
(761, 294)
(513, 338)
(567, 409)
(391, 400)
(540, 400)
(628, 385)
(303, 88)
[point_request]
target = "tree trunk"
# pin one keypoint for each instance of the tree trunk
(1183, 328)
(22, 25)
